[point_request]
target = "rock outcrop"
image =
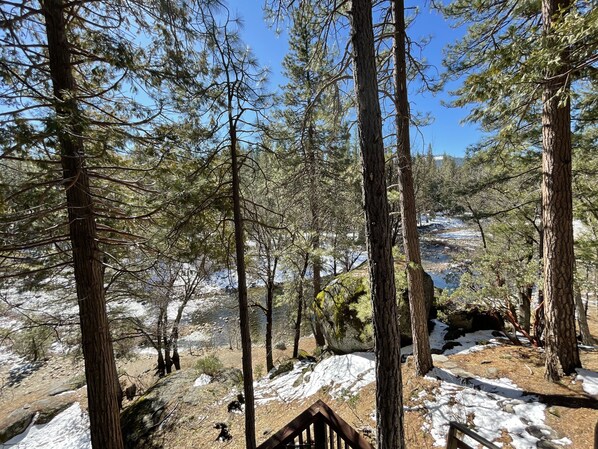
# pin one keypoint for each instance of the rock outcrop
(156, 409)
(39, 412)
(345, 311)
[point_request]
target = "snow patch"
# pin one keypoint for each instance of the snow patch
(472, 342)
(202, 380)
(68, 430)
(489, 406)
(589, 381)
(343, 375)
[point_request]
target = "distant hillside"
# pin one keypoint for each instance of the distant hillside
(458, 160)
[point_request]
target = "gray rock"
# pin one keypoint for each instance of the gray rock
(462, 373)
(46, 409)
(439, 358)
(492, 372)
(541, 432)
(450, 365)
(49, 408)
(344, 310)
(15, 424)
(281, 369)
(59, 390)
(546, 444)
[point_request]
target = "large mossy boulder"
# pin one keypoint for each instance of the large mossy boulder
(344, 309)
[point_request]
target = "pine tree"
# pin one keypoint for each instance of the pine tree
(314, 134)
(415, 271)
(518, 81)
(389, 409)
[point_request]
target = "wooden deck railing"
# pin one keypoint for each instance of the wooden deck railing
(318, 427)
(458, 431)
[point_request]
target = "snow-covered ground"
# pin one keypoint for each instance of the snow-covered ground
(68, 430)
(472, 342)
(344, 375)
(490, 407)
(589, 381)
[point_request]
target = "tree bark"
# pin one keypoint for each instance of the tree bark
(269, 316)
(176, 358)
(389, 403)
(161, 368)
(103, 389)
(250, 442)
(582, 318)
(560, 340)
(524, 307)
(415, 271)
(315, 225)
(300, 300)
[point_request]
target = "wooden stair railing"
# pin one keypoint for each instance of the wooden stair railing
(456, 433)
(318, 427)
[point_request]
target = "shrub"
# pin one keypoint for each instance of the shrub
(210, 365)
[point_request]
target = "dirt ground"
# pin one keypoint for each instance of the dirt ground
(570, 412)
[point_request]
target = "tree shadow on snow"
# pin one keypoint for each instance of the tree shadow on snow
(499, 389)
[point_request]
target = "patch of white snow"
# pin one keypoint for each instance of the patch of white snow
(589, 379)
(490, 405)
(202, 380)
(68, 430)
(343, 374)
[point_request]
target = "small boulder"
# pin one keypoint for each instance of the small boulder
(224, 434)
(281, 369)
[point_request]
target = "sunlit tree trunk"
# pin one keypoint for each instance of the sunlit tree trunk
(557, 201)
(389, 403)
(250, 441)
(103, 389)
(415, 271)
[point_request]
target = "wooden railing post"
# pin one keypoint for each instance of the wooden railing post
(320, 434)
(451, 440)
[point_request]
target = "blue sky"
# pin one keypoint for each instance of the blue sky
(445, 134)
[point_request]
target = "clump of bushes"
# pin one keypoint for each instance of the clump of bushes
(210, 365)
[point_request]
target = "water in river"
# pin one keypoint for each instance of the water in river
(219, 319)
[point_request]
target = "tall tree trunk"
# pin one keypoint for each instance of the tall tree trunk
(415, 271)
(300, 300)
(582, 318)
(167, 341)
(560, 339)
(174, 338)
(389, 401)
(524, 307)
(269, 315)
(103, 389)
(250, 442)
(161, 368)
(316, 227)
(167, 359)
(269, 306)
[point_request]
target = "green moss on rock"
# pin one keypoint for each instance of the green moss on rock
(344, 309)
